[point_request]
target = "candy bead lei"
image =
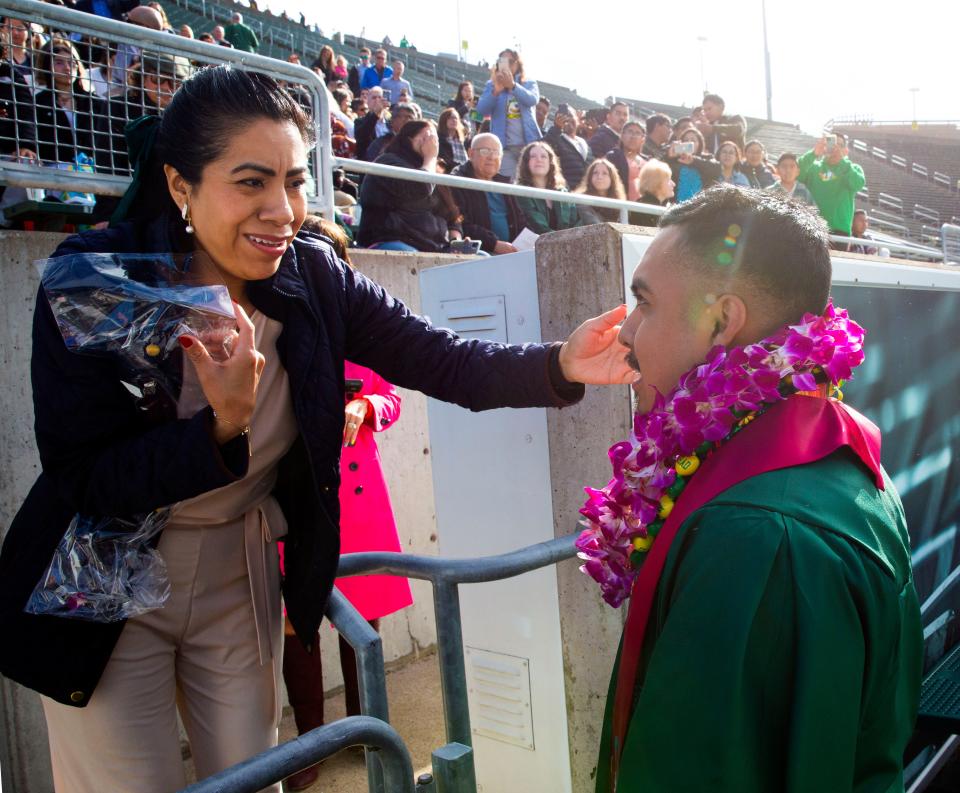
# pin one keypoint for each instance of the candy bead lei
(710, 404)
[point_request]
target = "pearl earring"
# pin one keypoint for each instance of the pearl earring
(185, 213)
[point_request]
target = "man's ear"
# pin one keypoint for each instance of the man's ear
(178, 186)
(730, 317)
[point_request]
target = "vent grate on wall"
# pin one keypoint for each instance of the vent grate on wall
(498, 689)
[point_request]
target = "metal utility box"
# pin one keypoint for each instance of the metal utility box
(493, 495)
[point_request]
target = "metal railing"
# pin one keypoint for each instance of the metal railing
(275, 764)
(911, 250)
(388, 761)
(147, 68)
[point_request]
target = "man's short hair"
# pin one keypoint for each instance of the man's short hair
(780, 249)
(364, 50)
(637, 124)
(859, 212)
(617, 104)
(404, 107)
(485, 138)
(395, 61)
(715, 99)
(597, 114)
(237, 17)
(656, 120)
(544, 100)
(787, 155)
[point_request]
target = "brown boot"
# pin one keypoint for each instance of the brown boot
(303, 675)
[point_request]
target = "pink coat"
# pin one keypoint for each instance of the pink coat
(366, 517)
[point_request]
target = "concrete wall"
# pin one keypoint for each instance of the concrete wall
(580, 275)
(405, 450)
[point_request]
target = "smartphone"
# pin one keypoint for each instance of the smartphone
(684, 147)
(352, 387)
(503, 64)
(831, 141)
(465, 246)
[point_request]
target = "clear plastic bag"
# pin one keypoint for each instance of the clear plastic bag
(132, 307)
(104, 570)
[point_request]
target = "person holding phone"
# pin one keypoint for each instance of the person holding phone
(833, 181)
(510, 99)
(224, 172)
(692, 171)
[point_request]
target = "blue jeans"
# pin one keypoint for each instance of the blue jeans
(393, 245)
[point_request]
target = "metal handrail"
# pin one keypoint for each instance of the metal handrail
(281, 761)
(60, 17)
(446, 575)
(506, 188)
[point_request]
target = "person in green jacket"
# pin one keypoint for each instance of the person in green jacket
(783, 648)
(833, 181)
(240, 35)
(539, 167)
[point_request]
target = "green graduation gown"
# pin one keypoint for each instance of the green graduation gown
(784, 647)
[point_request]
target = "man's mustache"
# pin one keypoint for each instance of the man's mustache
(632, 361)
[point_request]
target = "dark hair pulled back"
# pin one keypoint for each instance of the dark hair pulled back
(212, 106)
(207, 111)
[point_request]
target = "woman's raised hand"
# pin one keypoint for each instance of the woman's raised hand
(230, 385)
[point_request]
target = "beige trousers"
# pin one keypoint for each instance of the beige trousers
(200, 653)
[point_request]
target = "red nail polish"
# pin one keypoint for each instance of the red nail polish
(185, 341)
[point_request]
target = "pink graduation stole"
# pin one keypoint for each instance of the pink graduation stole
(802, 429)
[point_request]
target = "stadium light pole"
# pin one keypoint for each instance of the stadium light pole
(703, 79)
(459, 35)
(914, 91)
(766, 61)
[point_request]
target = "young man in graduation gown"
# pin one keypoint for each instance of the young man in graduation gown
(781, 650)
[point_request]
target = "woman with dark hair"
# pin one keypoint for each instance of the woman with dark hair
(540, 167)
(509, 99)
(245, 453)
(453, 143)
(401, 215)
(68, 113)
(755, 166)
(692, 172)
(729, 157)
(463, 103)
(601, 180)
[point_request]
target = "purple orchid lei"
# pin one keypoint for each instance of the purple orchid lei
(711, 402)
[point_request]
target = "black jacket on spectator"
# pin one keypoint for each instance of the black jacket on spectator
(709, 169)
(17, 117)
(759, 176)
(353, 80)
(644, 219)
(603, 140)
(364, 133)
(117, 7)
(123, 109)
(654, 151)
(105, 452)
(378, 146)
(619, 160)
(59, 139)
(397, 209)
(726, 128)
(572, 165)
(476, 211)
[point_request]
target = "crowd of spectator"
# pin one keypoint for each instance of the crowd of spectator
(68, 99)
